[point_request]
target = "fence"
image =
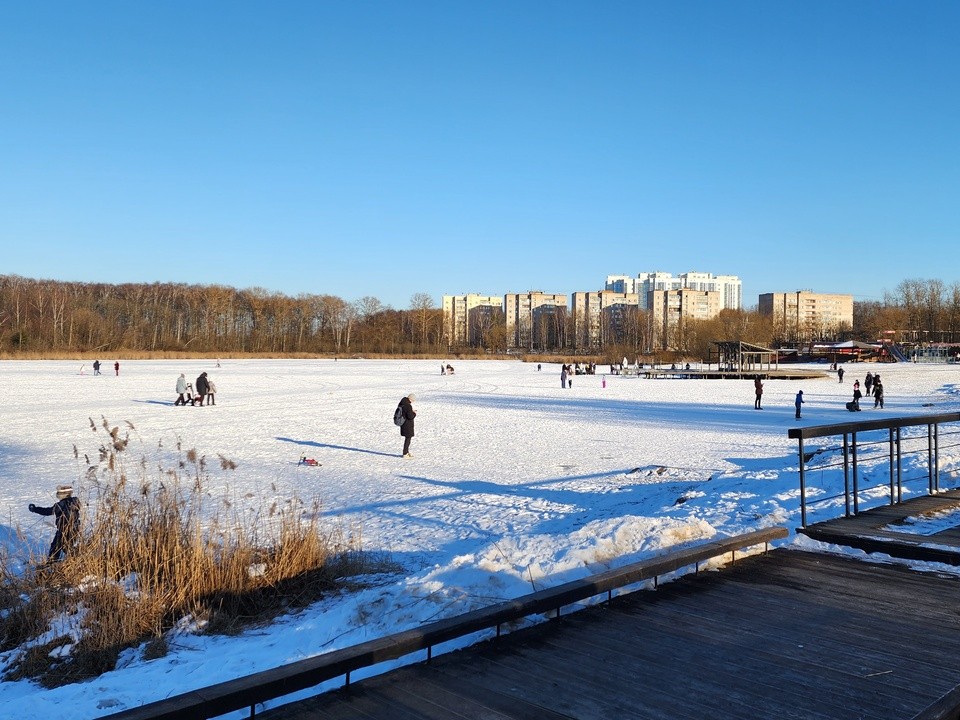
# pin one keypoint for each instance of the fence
(886, 439)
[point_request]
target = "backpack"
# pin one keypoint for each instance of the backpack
(398, 418)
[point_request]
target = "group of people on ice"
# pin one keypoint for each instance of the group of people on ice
(872, 383)
(203, 393)
(874, 388)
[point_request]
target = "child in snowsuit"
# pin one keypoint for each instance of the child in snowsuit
(66, 514)
(798, 402)
(878, 394)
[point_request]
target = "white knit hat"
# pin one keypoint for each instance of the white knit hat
(64, 491)
(411, 397)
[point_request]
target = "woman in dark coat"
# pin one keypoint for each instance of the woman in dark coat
(203, 387)
(406, 430)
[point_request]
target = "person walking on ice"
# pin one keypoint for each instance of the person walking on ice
(406, 430)
(66, 514)
(758, 389)
(181, 390)
(798, 402)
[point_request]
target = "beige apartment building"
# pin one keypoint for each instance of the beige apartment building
(670, 309)
(468, 318)
(536, 320)
(602, 317)
(805, 315)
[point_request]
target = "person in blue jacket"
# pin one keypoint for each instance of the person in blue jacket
(798, 402)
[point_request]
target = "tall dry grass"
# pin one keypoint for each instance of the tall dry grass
(157, 551)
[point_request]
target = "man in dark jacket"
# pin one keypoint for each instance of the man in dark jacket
(203, 387)
(66, 514)
(406, 430)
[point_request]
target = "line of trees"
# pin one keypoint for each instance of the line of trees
(52, 316)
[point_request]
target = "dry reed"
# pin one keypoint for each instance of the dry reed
(154, 553)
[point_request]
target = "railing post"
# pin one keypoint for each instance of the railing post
(930, 459)
(890, 452)
(936, 457)
(803, 488)
(856, 481)
(899, 469)
(846, 475)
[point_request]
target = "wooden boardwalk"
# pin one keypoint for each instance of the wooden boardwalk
(789, 634)
(878, 530)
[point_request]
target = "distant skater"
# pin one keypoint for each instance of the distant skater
(116, 368)
(868, 383)
(877, 394)
(758, 389)
(96, 367)
(407, 429)
(798, 402)
(211, 393)
(563, 377)
(840, 374)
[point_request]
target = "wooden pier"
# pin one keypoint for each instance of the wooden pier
(789, 634)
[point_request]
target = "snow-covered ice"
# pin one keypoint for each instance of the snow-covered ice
(515, 483)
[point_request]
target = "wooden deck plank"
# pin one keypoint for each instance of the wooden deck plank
(779, 676)
(832, 665)
(789, 635)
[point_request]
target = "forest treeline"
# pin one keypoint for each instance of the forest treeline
(55, 317)
(47, 316)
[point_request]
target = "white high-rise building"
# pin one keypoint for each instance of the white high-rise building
(621, 284)
(729, 287)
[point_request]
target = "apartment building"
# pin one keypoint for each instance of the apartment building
(806, 315)
(467, 318)
(536, 320)
(670, 309)
(602, 317)
(730, 287)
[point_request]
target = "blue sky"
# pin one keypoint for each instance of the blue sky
(391, 148)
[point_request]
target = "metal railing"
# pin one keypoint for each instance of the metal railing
(886, 440)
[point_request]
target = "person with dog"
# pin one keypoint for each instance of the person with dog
(66, 515)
